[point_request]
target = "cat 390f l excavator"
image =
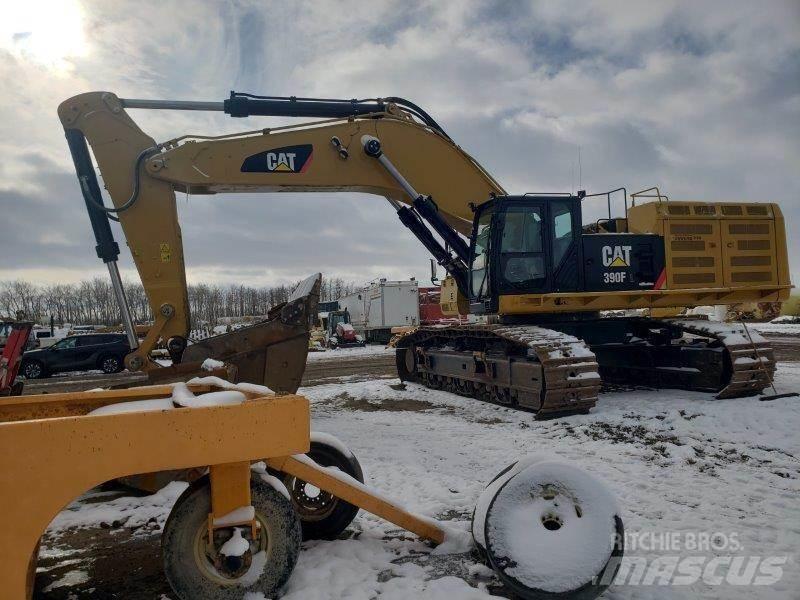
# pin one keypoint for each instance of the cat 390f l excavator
(525, 262)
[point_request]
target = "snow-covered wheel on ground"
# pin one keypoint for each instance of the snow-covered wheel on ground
(322, 515)
(198, 569)
(550, 531)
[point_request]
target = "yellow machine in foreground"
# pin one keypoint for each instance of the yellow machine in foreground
(527, 263)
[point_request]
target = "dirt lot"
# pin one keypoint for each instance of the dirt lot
(318, 372)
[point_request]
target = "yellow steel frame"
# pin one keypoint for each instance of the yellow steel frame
(53, 451)
(524, 304)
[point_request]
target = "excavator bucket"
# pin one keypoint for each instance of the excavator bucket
(271, 353)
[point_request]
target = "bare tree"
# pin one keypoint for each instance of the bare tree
(92, 302)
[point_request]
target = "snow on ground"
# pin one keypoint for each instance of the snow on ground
(345, 353)
(783, 328)
(680, 464)
(686, 470)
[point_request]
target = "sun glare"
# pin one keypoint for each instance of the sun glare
(45, 33)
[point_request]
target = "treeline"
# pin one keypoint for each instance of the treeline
(92, 302)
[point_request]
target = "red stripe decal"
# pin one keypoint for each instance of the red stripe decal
(662, 278)
(308, 162)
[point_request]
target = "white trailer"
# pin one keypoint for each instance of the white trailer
(375, 309)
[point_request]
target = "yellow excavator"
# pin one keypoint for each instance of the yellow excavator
(538, 277)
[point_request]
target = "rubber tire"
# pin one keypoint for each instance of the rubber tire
(23, 370)
(332, 526)
(117, 369)
(191, 512)
(588, 591)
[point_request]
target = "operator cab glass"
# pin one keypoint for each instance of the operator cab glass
(522, 257)
(524, 245)
(480, 255)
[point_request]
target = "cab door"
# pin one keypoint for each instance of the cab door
(523, 264)
(565, 222)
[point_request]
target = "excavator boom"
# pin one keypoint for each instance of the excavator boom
(142, 176)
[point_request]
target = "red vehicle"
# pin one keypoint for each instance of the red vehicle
(340, 333)
(430, 311)
(16, 335)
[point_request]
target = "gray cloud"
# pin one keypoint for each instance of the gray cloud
(702, 100)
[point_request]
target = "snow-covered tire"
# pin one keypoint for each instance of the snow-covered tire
(551, 531)
(485, 499)
(192, 575)
(322, 515)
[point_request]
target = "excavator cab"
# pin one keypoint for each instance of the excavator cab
(524, 245)
(535, 244)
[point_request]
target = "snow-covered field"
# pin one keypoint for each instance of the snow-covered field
(688, 471)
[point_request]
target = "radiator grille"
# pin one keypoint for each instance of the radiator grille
(693, 261)
(753, 244)
(693, 277)
(751, 261)
(748, 228)
(678, 210)
(757, 210)
(687, 246)
(751, 276)
(731, 210)
(691, 228)
(705, 209)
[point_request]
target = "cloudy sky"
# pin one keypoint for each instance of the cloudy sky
(699, 98)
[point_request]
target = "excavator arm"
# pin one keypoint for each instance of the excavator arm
(347, 152)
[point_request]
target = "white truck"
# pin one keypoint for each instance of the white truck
(375, 309)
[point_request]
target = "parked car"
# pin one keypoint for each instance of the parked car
(105, 351)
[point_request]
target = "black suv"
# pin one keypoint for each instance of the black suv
(104, 351)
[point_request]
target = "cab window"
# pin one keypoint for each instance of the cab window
(522, 257)
(480, 260)
(562, 230)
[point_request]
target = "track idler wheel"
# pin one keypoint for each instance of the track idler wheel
(198, 568)
(406, 362)
(550, 531)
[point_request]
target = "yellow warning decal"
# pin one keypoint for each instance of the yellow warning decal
(166, 253)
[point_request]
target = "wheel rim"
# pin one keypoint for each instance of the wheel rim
(110, 364)
(310, 502)
(33, 370)
(210, 563)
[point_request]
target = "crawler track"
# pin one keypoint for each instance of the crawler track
(555, 373)
(751, 357)
(691, 354)
(528, 367)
